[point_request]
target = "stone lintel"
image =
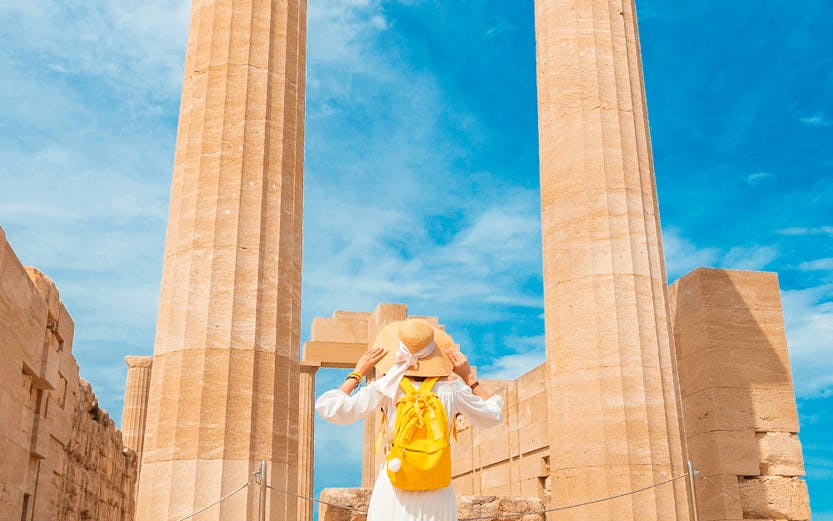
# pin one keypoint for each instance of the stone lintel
(342, 355)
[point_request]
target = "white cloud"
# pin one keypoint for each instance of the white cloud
(808, 317)
(748, 257)
(682, 256)
(135, 48)
(380, 254)
(817, 265)
(90, 93)
(816, 120)
(803, 230)
(758, 177)
(528, 353)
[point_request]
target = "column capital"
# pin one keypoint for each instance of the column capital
(310, 367)
(138, 361)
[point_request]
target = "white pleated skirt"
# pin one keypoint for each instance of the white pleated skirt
(388, 503)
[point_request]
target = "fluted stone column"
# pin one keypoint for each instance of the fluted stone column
(613, 405)
(306, 439)
(224, 388)
(134, 411)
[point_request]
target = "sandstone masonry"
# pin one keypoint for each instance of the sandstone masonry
(62, 457)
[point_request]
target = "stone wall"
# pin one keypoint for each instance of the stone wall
(512, 458)
(737, 392)
(62, 457)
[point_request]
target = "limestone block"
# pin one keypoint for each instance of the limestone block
(775, 497)
(464, 484)
(531, 487)
(347, 328)
(333, 354)
(779, 454)
(528, 508)
(461, 460)
(534, 466)
(47, 290)
(383, 315)
(531, 409)
(534, 437)
(739, 328)
(725, 289)
(493, 447)
(532, 384)
(715, 505)
(354, 498)
(754, 408)
(495, 477)
(733, 367)
(725, 452)
(468, 506)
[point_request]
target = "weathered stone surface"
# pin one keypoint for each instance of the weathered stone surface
(612, 397)
(500, 508)
(507, 460)
(355, 500)
(61, 456)
(775, 497)
(224, 391)
(100, 473)
(780, 454)
(134, 410)
(306, 437)
(716, 498)
(490, 508)
(737, 392)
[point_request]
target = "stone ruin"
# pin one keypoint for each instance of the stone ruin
(62, 457)
(738, 406)
(639, 378)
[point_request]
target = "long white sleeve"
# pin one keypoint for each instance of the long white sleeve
(342, 409)
(480, 413)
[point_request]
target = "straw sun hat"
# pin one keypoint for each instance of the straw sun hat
(415, 334)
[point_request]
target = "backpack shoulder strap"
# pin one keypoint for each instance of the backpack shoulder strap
(383, 432)
(428, 385)
(407, 386)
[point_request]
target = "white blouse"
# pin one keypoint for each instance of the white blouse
(342, 409)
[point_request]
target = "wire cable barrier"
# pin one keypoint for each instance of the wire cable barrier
(718, 487)
(497, 516)
(206, 507)
(258, 476)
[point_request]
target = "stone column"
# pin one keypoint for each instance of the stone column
(224, 388)
(306, 439)
(615, 423)
(134, 411)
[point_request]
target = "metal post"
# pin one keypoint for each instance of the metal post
(262, 509)
(692, 473)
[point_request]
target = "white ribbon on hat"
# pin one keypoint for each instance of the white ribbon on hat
(389, 383)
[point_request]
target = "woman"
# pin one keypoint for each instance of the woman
(415, 350)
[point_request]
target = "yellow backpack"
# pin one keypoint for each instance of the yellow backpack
(420, 456)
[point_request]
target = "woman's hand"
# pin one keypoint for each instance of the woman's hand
(461, 365)
(369, 359)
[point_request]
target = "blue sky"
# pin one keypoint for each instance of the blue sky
(422, 171)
